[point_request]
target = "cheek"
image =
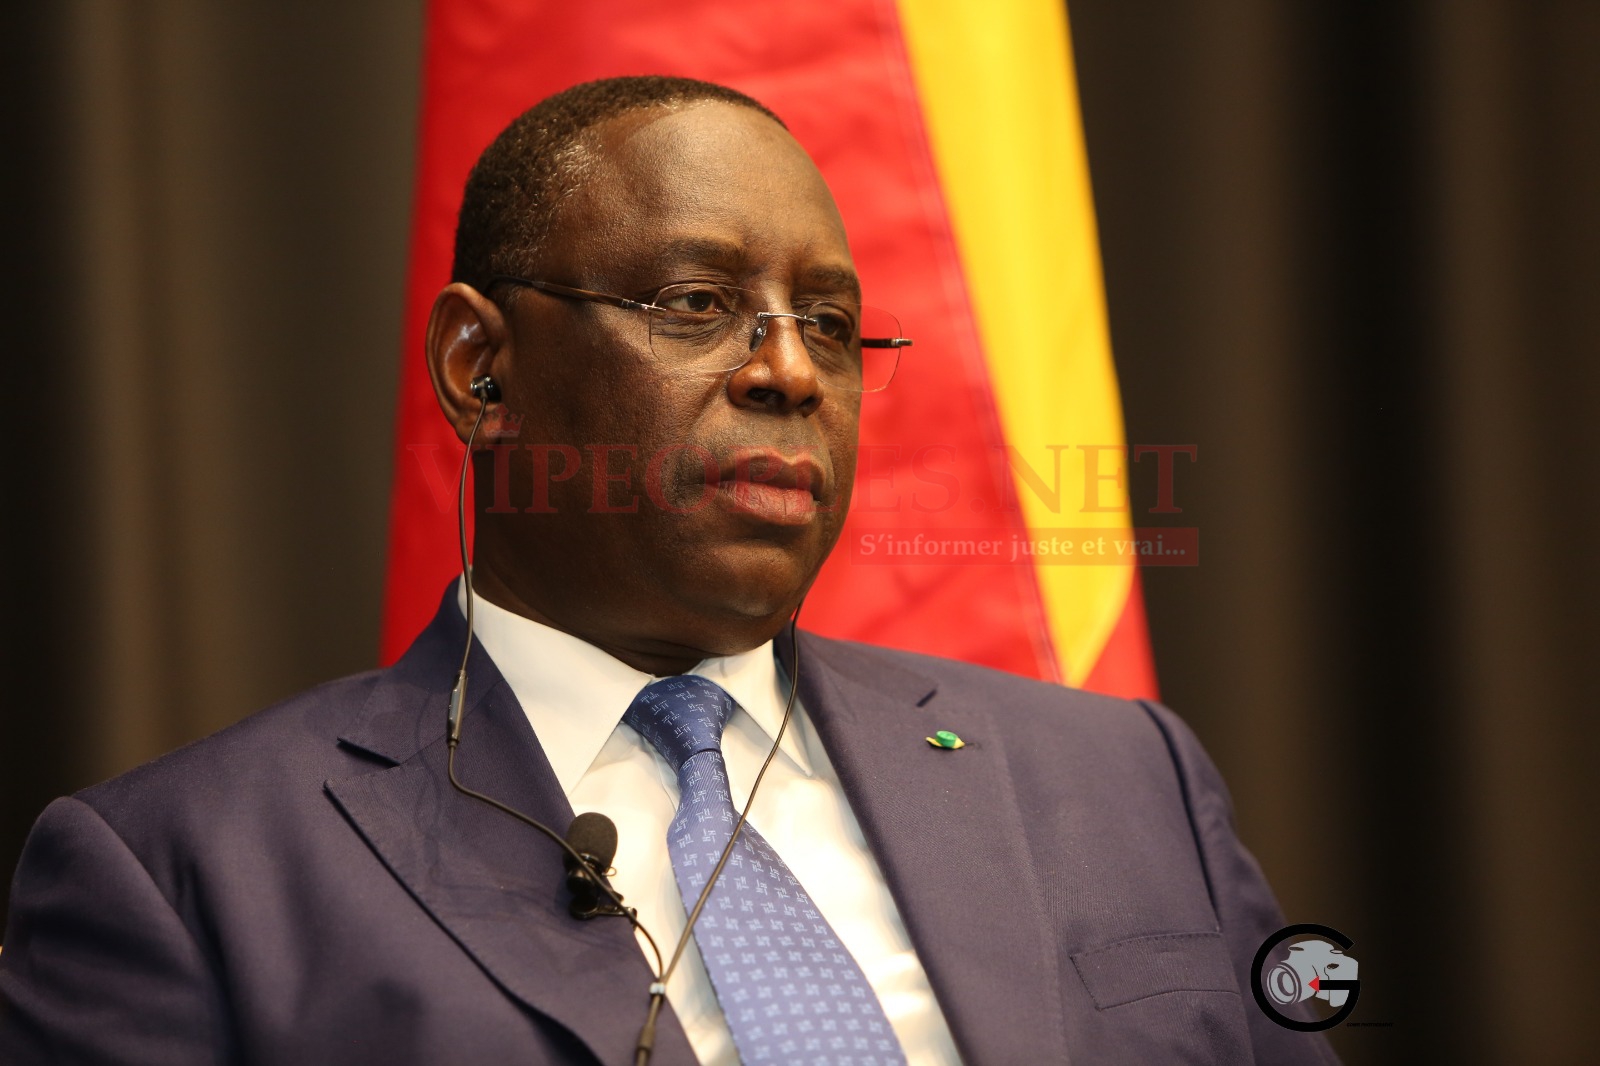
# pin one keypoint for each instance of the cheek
(843, 433)
(603, 396)
(678, 477)
(638, 444)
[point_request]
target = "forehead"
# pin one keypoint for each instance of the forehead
(711, 183)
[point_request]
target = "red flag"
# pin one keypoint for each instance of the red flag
(851, 79)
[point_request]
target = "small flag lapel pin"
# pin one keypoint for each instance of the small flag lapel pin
(946, 739)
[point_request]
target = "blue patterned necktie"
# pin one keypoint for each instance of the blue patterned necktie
(792, 993)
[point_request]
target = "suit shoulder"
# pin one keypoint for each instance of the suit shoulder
(1050, 733)
(1018, 698)
(289, 739)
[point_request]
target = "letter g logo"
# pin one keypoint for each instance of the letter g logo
(1315, 968)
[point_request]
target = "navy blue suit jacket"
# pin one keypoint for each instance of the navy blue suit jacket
(305, 887)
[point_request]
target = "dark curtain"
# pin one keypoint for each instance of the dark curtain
(1350, 255)
(206, 210)
(1353, 253)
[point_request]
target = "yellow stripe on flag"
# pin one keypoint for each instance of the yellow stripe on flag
(1000, 102)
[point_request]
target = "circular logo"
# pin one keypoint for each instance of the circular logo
(1316, 967)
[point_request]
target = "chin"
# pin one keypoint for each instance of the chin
(753, 588)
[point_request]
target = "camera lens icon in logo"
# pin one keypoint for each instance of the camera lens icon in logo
(1301, 976)
(1315, 967)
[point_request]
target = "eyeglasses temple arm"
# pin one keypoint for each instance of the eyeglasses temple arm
(576, 294)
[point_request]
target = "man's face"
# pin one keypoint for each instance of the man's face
(705, 502)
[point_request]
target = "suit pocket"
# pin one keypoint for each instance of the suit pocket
(1145, 966)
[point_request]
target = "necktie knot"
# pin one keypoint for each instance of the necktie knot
(681, 716)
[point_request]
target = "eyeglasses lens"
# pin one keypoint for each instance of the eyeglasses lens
(706, 328)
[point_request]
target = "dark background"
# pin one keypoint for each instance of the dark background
(1350, 253)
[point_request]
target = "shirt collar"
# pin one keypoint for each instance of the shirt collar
(575, 694)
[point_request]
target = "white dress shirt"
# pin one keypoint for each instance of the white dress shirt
(575, 695)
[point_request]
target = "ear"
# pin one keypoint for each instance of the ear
(467, 337)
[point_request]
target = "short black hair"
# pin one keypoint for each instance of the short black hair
(512, 192)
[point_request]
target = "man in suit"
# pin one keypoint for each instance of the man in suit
(652, 281)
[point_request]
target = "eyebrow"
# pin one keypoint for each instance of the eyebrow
(730, 255)
(833, 277)
(694, 249)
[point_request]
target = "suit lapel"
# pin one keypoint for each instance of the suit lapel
(947, 831)
(944, 826)
(495, 885)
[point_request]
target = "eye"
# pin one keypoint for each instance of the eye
(833, 323)
(695, 299)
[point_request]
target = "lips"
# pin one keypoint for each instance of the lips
(770, 487)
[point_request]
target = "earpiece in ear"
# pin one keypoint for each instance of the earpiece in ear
(485, 389)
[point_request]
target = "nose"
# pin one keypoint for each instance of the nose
(780, 374)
